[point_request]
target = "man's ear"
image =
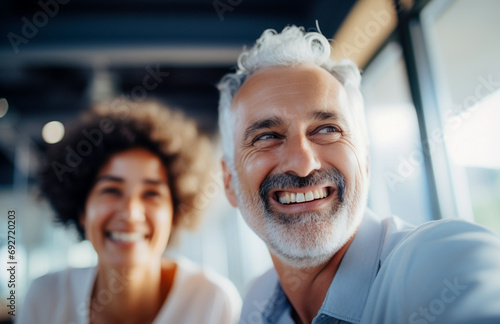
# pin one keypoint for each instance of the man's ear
(228, 184)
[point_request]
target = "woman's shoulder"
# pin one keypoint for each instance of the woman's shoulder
(62, 278)
(214, 297)
(195, 276)
(53, 296)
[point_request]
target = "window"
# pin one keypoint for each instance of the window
(462, 40)
(398, 175)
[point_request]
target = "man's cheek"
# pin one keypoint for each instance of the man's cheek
(344, 159)
(256, 170)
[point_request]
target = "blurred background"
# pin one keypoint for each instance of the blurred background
(431, 81)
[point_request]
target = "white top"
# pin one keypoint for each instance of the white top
(198, 295)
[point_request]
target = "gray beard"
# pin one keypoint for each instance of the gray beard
(302, 240)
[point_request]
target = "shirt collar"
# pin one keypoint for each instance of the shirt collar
(278, 307)
(347, 295)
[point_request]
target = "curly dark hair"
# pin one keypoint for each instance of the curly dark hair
(69, 168)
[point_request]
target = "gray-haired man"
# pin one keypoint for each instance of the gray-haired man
(296, 164)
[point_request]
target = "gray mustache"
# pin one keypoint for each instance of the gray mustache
(286, 181)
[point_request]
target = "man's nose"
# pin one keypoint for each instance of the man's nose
(300, 157)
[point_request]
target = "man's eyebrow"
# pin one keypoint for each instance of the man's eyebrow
(262, 124)
(324, 115)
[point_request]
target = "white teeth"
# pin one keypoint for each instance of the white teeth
(292, 197)
(126, 237)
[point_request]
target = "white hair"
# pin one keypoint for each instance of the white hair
(290, 47)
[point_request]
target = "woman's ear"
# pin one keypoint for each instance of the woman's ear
(368, 165)
(81, 219)
(228, 184)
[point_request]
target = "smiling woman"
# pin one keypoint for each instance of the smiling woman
(128, 214)
(128, 176)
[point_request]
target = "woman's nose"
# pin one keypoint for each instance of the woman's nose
(133, 208)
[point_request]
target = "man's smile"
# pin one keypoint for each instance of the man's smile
(300, 196)
(301, 200)
(290, 194)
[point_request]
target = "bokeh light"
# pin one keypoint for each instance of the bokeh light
(4, 107)
(53, 132)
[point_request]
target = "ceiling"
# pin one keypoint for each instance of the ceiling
(56, 56)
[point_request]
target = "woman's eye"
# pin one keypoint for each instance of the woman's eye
(151, 193)
(110, 190)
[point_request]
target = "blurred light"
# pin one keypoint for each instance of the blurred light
(53, 132)
(102, 86)
(4, 107)
(81, 255)
(391, 125)
(474, 136)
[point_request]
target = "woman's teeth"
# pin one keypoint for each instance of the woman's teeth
(126, 237)
(292, 197)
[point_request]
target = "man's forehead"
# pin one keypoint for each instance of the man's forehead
(276, 79)
(277, 84)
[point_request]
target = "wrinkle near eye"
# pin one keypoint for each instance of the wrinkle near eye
(356, 152)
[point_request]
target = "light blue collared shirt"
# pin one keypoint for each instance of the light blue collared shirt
(444, 271)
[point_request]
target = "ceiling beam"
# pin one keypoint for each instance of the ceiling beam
(365, 29)
(125, 56)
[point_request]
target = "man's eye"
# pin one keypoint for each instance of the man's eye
(327, 129)
(266, 136)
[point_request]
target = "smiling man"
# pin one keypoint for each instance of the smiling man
(296, 164)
